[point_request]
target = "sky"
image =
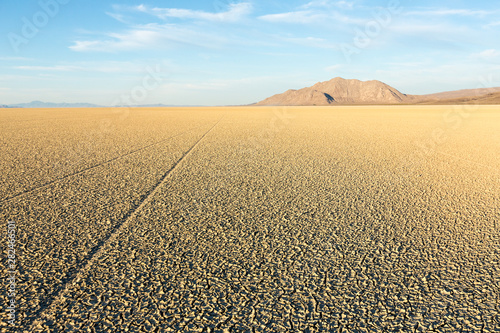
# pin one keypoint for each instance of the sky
(221, 52)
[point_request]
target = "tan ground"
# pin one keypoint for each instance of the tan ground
(353, 219)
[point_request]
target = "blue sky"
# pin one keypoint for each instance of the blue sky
(223, 53)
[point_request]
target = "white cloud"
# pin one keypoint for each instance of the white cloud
(316, 3)
(311, 42)
(437, 31)
(234, 13)
(15, 59)
(120, 41)
(119, 17)
(448, 12)
(328, 3)
(408, 64)
(156, 35)
(311, 17)
(344, 4)
(493, 24)
(98, 67)
(47, 68)
(305, 16)
(194, 86)
(148, 36)
(333, 68)
(488, 55)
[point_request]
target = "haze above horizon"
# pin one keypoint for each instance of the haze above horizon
(229, 53)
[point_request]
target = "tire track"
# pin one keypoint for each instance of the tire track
(45, 185)
(58, 296)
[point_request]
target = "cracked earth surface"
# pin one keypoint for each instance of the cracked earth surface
(256, 219)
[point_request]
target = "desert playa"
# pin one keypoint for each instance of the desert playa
(241, 219)
(232, 166)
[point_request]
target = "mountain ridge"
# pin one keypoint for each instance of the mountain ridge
(40, 104)
(337, 91)
(49, 105)
(340, 91)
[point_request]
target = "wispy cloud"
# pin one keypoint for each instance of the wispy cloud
(234, 13)
(96, 67)
(311, 42)
(431, 31)
(120, 41)
(328, 3)
(194, 86)
(148, 36)
(304, 16)
(311, 17)
(48, 68)
(15, 59)
(449, 12)
(316, 3)
(488, 55)
(408, 64)
(493, 24)
(333, 68)
(345, 4)
(162, 35)
(119, 17)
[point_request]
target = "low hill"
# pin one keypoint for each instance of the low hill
(39, 104)
(460, 94)
(488, 99)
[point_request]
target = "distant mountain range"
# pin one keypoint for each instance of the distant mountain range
(339, 91)
(39, 104)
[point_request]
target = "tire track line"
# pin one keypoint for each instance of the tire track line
(59, 295)
(45, 185)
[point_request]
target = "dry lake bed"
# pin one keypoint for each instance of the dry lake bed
(265, 219)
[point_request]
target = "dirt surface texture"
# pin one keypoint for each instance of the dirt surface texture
(253, 219)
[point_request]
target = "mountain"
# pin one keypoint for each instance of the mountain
(340, 91)
(38, 104)
(488, 99)
(458, 95)
(337, 91)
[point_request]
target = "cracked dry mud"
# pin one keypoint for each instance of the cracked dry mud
(239, 220)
